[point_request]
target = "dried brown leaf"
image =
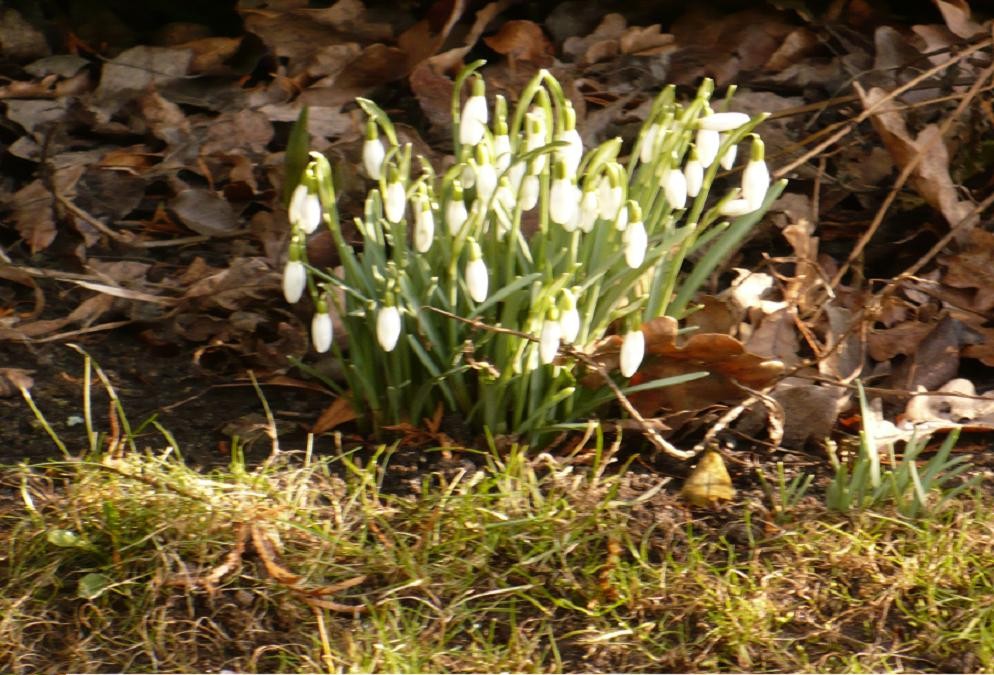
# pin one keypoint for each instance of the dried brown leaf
(339, 412)
(13, 380)
(522, 40)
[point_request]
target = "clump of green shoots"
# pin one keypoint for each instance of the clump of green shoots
(864, 485)
(477, 289)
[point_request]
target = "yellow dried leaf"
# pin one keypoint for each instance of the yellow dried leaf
(709, 482)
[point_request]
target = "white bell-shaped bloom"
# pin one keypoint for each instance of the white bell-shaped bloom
(589, 209)
(455, 210)
(395, 201)
(295, 209)
(294, 281)
(755, 176)
(621, 220)
(505, 195)
(502, 152)
(321, 330)
(424, 225)
(728, 158)
(486, 180)
(530, 189)
(736, 207)
(635, 239)
(610, 193)
(572, 152)
(693, 172)
(564, 198)
(536, 136)
(724, 121)
(549, 340)
(312, 213)
(706, 143)
(648, 149)
(473, 122)
(477, 278)
(632, 352)
(674, 185)
(373, 152)
(569, 317)
(388, 325)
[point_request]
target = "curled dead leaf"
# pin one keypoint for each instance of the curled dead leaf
(709, 482)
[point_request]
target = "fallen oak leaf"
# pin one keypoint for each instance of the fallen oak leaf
(709, 482)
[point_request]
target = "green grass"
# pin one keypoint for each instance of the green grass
(513, 561)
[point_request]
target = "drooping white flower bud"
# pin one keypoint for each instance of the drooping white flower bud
(635, 238)
(648, 149)
(536, 136)
(486, 174)
(477, 278)
(305, 209)
(632, 352)
(424, 225)
(295, 209)
(735, 207)
(395, 200)
(549, 338)
(321, 328)
(693, 172)
(473, 123)
(455, 209)
(373, 152)
(502, 141)
(564, 198)
(610, 193)
(755, 176)
(505, 195)
(388, 325)
(724, 121)
(569, 317)
(294, 280)
(530, 189)
(572, 152)
(589, 208)
(707, 142)
(728, 159)
(621, 220)
(674, 185)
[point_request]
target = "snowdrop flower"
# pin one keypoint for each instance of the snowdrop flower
(725, 121)
(529, 192)
(502, 142)
(373, 152)
(486, 174)
(572, 153)
(549, 338)
(632, 352)
(755, 176)
(610, 194)
(728, 159)
(395, 199)
(424, 224)
(589, 209)
(707, 142)
(321, 328)
(294, 279)
(305, 209)
(693, 172)
(621, 220)
(476, 276)
(674, 185)
(635, 238)
(648, 149)
(388, 327)
(536, 136)
(455, 209)
(564, 198)
(737, 206)
(505, 195)
(569, 317)
(473, 123)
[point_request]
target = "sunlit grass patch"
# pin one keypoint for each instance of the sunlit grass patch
(494, 561)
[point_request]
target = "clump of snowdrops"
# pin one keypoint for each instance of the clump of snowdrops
(532, 248)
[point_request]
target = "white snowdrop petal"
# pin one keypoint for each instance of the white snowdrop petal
(728, 159)
(455, 215)
(563, 201)
(589, 209)
(572, 153)
(388, 327)
(294, 281)
(311, 213)
(373, 154)
(736, 207)
(529, 193)
(706, 143)
(424, 229)
(477, 279)
(569, 325)
(648, 149)
(295, 211)
(675, 188)
(473, 122)
(395, 202)
(486, 181)
(636, 241)
(725, 121)
(321, 332)
(632, 352)
(549, 340)
(755, 183)
(693, 172)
